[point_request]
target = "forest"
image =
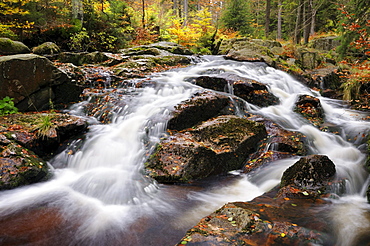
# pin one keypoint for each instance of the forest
(108, 25)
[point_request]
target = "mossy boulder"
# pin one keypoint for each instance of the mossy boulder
(325, 43)
(244, 49)
(18, 165)
(157, 49)
(216, 146)
(10, 47)
(48, 48)
(81, 58)
(41, 133)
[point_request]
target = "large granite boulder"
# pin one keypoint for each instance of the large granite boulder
(250, 90)
(38, 84)
(10, 47)
(216, 146)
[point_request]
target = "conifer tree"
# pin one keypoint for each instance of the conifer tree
(236, 16)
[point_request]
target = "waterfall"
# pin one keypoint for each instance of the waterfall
(103, 194)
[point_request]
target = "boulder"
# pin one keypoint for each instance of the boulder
(38, 84)
(157, 49)
(18, 165)
(279, 144)
(41, 133)
(250, 90)
(263, 221)
(310, 173)
(200, 107)
(48, 48)
(216, 146)
(79, 59)
(325, 43)
(244, 49)
(310, 108)
(328, 77)
(308, 59)
(10, 47)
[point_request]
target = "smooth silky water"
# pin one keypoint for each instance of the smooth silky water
(102, 194)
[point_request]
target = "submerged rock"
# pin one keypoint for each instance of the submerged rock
(250, 90)
(216, 146)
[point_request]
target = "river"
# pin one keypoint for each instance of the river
(100, 195)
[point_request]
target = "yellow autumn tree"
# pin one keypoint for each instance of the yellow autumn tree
(196, 32)
(10, 13)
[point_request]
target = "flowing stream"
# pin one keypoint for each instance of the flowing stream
(100, 196)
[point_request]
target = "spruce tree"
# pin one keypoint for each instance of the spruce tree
(236, 17)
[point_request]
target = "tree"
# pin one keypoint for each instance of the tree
(267, 18)
(279, 17)
(355, 27)
(235, 17)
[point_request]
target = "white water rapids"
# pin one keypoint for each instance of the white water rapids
(102, 191)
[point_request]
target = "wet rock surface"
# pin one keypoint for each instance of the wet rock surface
(266, 220)
(279, 144)
(310, 172)
(41, 133)
(200, 107)
(216, 146)
(250, 90)
(27, 139)
(310, 108)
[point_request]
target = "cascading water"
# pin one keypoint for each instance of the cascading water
(103, 198)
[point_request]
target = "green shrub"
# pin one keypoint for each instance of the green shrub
(7, 106)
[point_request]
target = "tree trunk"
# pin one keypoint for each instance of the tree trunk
(298, 24)
(267, 18)
(77, 10)
(280, 10)
(307, 21)
(186, 4)
(143, 13)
